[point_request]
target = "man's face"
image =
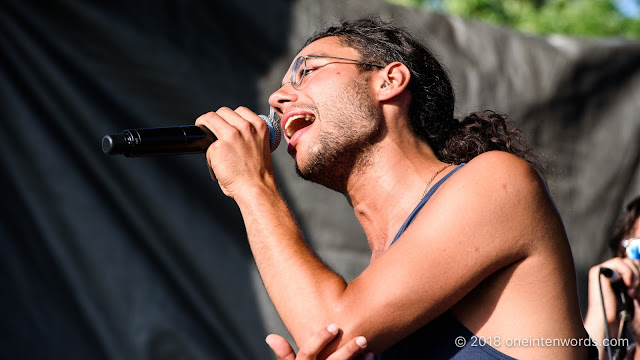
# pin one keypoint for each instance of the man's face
(329, 120)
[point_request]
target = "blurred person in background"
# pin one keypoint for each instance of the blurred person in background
(625, 245)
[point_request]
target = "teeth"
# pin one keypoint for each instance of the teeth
(291, 128)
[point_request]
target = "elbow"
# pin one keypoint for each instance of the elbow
(304, 325)
(332, 314)
(351, 326)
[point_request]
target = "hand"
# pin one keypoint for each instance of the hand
(241, 156)
(313, 346)
(594, 321)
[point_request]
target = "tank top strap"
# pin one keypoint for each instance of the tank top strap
(422, 202)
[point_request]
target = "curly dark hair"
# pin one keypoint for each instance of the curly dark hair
(432, 97)
(624, 227)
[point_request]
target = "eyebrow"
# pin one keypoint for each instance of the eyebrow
(322, 53)
(294, 59)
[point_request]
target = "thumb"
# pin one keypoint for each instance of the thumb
(280, 347)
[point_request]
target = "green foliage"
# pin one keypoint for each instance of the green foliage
(586, 18)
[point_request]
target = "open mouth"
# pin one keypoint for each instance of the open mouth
(298, 122)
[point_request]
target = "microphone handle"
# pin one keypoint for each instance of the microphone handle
(187, 139)
(620, 289)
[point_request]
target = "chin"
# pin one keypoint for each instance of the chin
(329, 174)
(333, 158)
(312, 173)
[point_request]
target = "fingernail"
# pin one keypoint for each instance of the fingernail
(369, 356)
(361, 341)
(333, 328)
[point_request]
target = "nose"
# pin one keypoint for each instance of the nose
(281, 97)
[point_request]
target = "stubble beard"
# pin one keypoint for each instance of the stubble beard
(346, 142)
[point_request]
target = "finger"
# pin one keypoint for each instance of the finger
(221, 130)
(258, 123)
(213, 174)
(600, 290)
(350, 349)
(614, 263)
(312, 348)
(262, 128)
(632, 266)
(209, 155)
(622, 268)
(217, 125)
(249, 125)
(234, 119)
(280, 347)
(246, 124)
(635, 281)
(259, 126)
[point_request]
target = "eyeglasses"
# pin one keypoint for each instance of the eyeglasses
(299, 68)
(632, 247)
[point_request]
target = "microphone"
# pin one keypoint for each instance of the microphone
(625, 303)
(625, 311)
(175, 140)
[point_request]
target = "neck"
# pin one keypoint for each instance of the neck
(385, 190)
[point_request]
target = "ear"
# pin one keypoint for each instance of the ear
(392, 80)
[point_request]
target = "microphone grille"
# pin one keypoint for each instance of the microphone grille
(275, 133)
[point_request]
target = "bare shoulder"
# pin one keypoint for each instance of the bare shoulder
(495, 165)
(499, 176)
(504, 179)
(501, 195)
(501, 205)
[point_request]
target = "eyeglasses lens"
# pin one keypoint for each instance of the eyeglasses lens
(632, 248)
(297, 71)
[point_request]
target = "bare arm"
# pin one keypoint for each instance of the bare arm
(483, 210)
(300, 286)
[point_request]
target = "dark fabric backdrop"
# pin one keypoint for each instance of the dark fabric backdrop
(107, 257)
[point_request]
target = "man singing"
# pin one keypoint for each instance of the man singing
(467, 248)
